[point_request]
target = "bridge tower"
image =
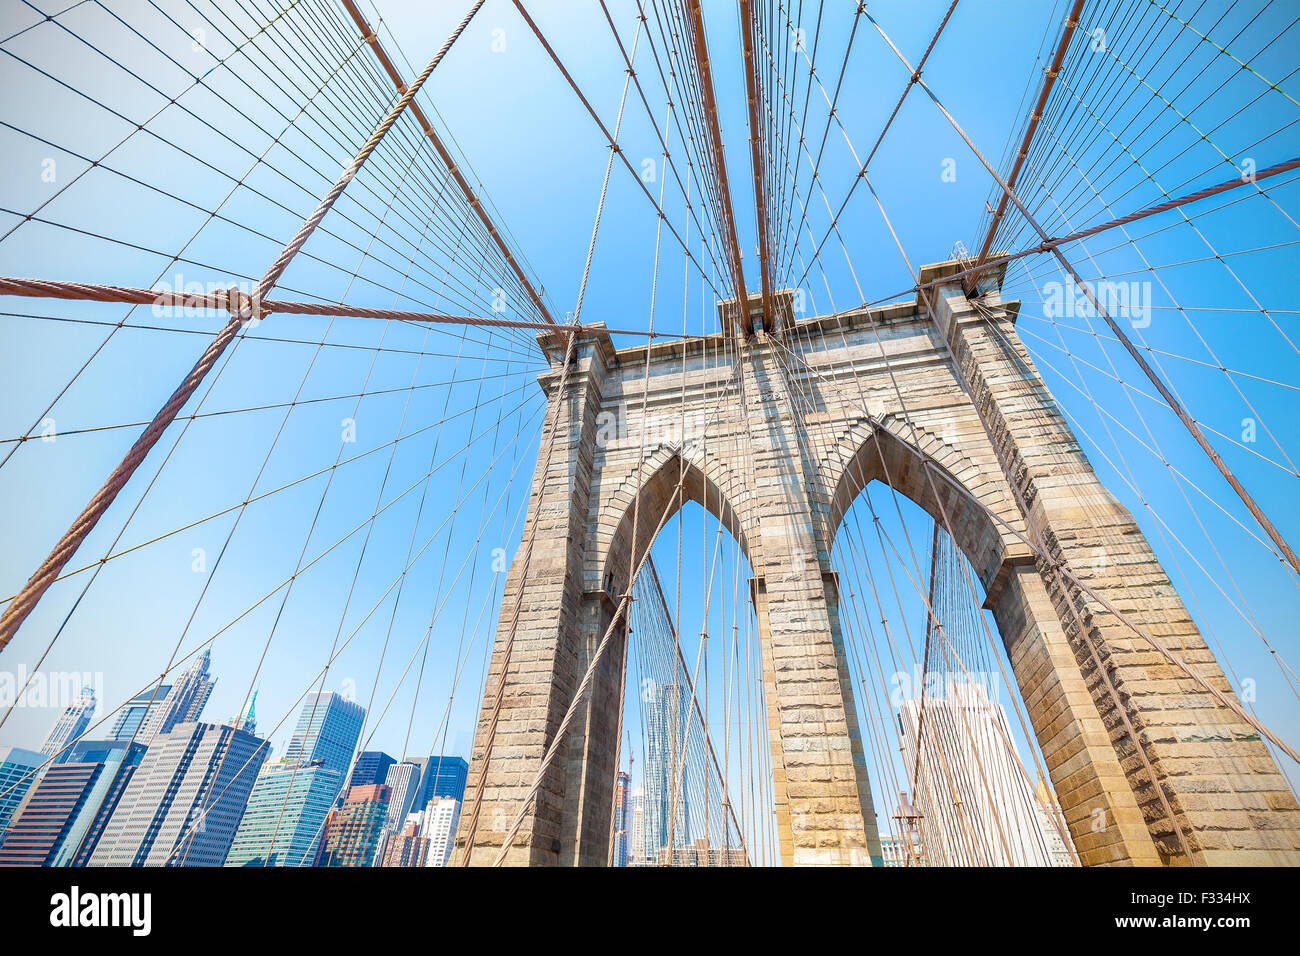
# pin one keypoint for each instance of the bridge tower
(939, 399)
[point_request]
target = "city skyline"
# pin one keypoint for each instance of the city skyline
(259, 810)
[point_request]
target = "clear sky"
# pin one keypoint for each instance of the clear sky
(72, 90)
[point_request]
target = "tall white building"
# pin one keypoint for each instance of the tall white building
(636, 827)
(977, 806)
(184, 701)
(1052, 823)
(71, 724)
(403, 782)
(438, 825)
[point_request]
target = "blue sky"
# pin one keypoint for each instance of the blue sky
(528, 141)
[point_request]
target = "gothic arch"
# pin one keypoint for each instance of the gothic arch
(868, 452)
(713, 487)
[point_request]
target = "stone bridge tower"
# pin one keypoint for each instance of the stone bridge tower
(940, 400)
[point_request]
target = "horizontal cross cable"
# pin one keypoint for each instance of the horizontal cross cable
(249, 307)
(1048, 245)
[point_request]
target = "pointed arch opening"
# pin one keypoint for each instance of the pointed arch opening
(950, 747)
(695, 782)
(949, 487)
(647, 500)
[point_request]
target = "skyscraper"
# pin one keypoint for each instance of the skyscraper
(71, 724)
(185, 800)
(17, 774)
(636, 828)
(135, 713)
(439, 825)
(285, 817)
(443, 777)
(286, 812)
(352, 831)
(62, 819)
(371, 768)
(403, 782)
(667, 814)
(328, 728)
(1052, 823)
(976, 805)
(621, 801)
(183, 703)
(422, 764)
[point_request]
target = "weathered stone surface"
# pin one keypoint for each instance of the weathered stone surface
(777, 444)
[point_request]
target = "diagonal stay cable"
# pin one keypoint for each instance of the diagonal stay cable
(18, 609)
